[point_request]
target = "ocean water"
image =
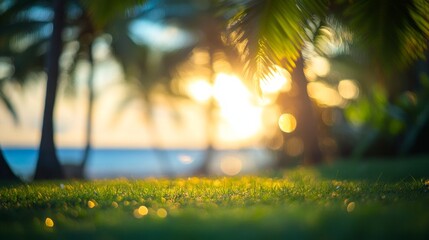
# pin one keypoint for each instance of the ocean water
(143, 163)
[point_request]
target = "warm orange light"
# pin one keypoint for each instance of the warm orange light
(143, 210)
(162, 213)
(229, 90)
(199, 90)
(241, 118)
(324, 94)
(348, 89)
(278, 80)
(49, 222)
(91, 204)
(287, 123)
(320, 66)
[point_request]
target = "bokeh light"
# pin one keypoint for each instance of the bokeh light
(142, 210)
(287, 123)
(231, 165)
(348, 89)
(91, 204)
(199, 90)
(351, 207)
(162, 213)
(324, 94)
(320, 66)
(294, 146)
(185, 159)
(49, 222)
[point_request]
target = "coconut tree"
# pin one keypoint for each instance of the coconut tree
(90, 23)
(390, 36)
(208, 20)
(274, 33)
(48, 165)
(5, 172)
(29, 57)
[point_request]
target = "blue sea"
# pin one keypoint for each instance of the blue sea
(142, 163)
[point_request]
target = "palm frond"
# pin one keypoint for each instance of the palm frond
(32, 59)
(103, 11)
(8, 104)
(394, 33)
(271, 32)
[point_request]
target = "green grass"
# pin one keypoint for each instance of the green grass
(344, 200)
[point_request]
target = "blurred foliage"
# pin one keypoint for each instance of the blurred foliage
(394, 34)
(271, 32)
(374, 42)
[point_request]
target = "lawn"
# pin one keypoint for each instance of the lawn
(373, 199)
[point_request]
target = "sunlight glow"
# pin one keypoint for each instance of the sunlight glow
(230, 90)
(241, 116)
(231, 165)
(287, 123)
(199, 90)
(348, 89)
(277, 81)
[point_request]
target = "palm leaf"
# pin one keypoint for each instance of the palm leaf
(271, 32)
(394, 33)
(103, 11)
(8, 104)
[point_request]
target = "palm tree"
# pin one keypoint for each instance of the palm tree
(391, 35)
(207, 19)
(5, 172)
(273, 33)
(28, 59)
(91, 23)
(48, 165)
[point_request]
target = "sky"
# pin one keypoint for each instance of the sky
(175, 123)
(242, 117)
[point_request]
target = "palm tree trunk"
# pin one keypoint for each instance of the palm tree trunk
(89, 115)
(306, 117)
(48, 165)
(5, 172)
(204, 169)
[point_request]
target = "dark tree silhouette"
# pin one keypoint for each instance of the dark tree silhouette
(48, 165)
(5, 172)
